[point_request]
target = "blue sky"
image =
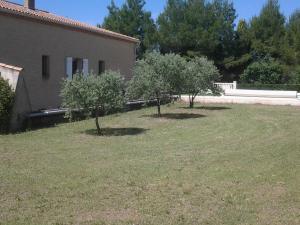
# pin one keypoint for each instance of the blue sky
(94, 11)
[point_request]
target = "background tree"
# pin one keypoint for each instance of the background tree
(268, 31)
(132, 20)
(6, 103)
(200, 75)
(242, 56)
(198, 27)
(264, 72)
(293, 37)
(171, 27)
(94, 94)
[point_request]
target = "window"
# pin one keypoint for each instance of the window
(76, 65)
(101, 67)
(45, 66)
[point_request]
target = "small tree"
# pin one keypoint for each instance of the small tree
(200, 75)
(150, 79)
(93, 94)
(174, 72)
(6, 103)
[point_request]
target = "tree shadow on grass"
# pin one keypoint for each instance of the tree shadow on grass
(176, 116)
(130, 131)
(210, 108)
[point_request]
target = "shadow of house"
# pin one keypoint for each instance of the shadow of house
(129, 131)
(177, 116)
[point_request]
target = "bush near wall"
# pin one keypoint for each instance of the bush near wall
(6, 103)
(278, 87)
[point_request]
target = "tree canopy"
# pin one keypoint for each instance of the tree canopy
(268, 30)
(293, 36)
(93, 94)
(200, 75)
(150, 80)
(131, 19)
(196, 28)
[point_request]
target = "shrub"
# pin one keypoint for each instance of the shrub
(295, 77)
(6, 103)
(263, 72)
(94, 94)
(156, 76)
(200, 75)
(175, 66)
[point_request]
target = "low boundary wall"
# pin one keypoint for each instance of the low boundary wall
(243, 100)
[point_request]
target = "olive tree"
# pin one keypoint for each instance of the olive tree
(200, 75)
(155, 77)
(174, 72)
(93, 94)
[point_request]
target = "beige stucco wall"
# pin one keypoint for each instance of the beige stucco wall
(23, 42)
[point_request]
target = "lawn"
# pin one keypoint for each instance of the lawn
(229, 164)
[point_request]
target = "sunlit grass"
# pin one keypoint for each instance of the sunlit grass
(229, 164)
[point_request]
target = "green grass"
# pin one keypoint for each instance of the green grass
(234, 164)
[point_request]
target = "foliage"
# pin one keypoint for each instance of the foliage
(243, 38)
(295, 77)
(293, 37)
(280, 87)
(174, 67)
(242, 48)
(6, 103)
(263, 72)
(268, 30)
(199, 26)
(150, 79)
(93, 93)
(200, 75)
(131, 19)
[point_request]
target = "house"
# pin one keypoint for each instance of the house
(38, 49)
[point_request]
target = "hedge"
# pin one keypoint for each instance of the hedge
(282, 87)
(6, 103)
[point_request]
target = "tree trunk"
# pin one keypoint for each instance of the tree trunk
(192, 102)
(97, 121)
(158, 107)
(70, 115)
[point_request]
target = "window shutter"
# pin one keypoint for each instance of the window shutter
(85, 69)
(69, 67)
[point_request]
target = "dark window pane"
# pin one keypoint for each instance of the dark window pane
(45, 66)
(101, 67)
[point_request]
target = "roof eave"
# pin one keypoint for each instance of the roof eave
(45, 20)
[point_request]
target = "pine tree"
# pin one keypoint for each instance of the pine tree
(132, 20)
(293, 36)
(268, 30)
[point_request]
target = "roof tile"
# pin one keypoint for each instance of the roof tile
(16, 9)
